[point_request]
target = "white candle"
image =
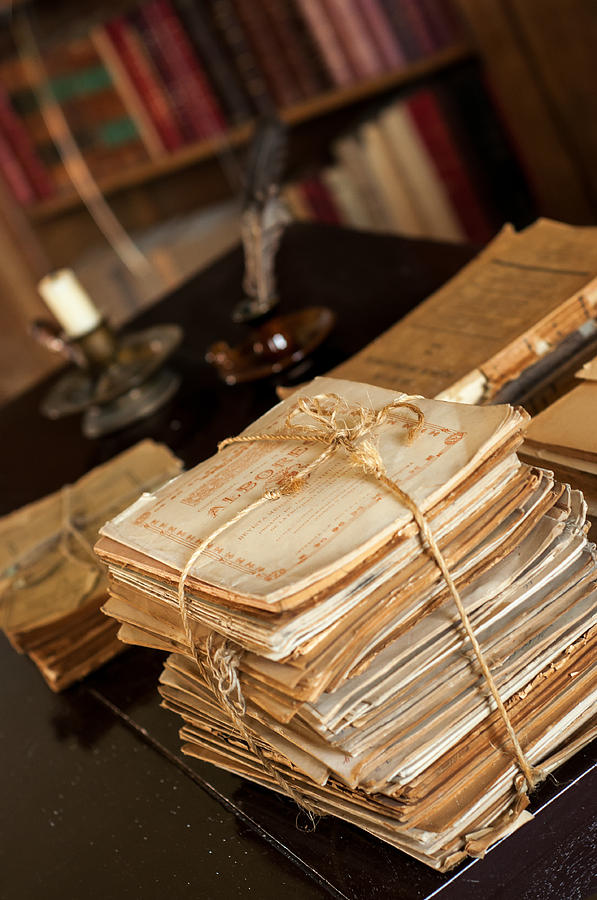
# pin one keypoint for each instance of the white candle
(70, 302)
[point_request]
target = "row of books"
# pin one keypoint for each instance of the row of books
(411, 170)
(175, 72)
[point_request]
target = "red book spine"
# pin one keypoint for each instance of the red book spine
(441, 21)
(149, 38)
(381, 31)
(22, 147)
(279, 14)
(269, 52)
(230, 30)
(330, 48)
(435, 133)
(320, 201)
(188, 81)
(14, 174)
(354, 37)
(419, 26)
(146, 80)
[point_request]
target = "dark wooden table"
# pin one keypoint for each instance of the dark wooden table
(97, 801)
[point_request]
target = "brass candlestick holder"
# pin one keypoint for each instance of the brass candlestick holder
(119, 379)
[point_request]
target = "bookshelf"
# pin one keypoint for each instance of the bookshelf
(300, 113)
(513, 47)
(533, 57)
(57, 228)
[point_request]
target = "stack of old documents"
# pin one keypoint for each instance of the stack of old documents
(51, 584)
(564, 437)
(317, 647)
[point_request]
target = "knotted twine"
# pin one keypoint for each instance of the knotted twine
(338, 426)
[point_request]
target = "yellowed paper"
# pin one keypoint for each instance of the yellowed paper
(569, 423)
(287, 544)
(498, 315)
(588, 371)
(46, 573)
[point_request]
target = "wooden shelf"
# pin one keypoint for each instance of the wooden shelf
(293, 115)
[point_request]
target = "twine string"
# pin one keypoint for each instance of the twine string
(69, 529)
(220, 666)
(337, 425)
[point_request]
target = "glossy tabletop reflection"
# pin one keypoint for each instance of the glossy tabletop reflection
(97, 799)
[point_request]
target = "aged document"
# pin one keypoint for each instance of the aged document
(505, 310)
(285, 546)
(367, 699)
(563, 437)
(51, 584)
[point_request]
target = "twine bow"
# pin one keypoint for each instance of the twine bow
(339, 426)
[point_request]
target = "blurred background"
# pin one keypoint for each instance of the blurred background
(124, 127)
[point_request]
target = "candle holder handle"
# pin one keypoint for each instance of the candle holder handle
(55, 340)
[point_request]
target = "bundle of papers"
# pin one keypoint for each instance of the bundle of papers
(564, 437)
(51, 584)
(360, 689)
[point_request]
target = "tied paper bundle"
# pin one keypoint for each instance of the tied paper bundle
(564, 437)
(52, 585)
(373, 607)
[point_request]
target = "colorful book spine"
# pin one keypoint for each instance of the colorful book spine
(291, 38)
(194, 101)
(353, 160)
(434, 206)
(310, 46)
(131, 99)
(269, 53)
(491, 158)
(319, 199)
(393, 188)
(150, 39)
(23, 149)
(348, 202)
(436, 135)
(146, 79)
(118, 46)
(332, 53)
(441, 22)
(43, 145)
(413, 14)
(13, 174)
(227, 23)
(402, 28)
(380, 29)
(354, 37)
(99, 120)
(210, 51)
